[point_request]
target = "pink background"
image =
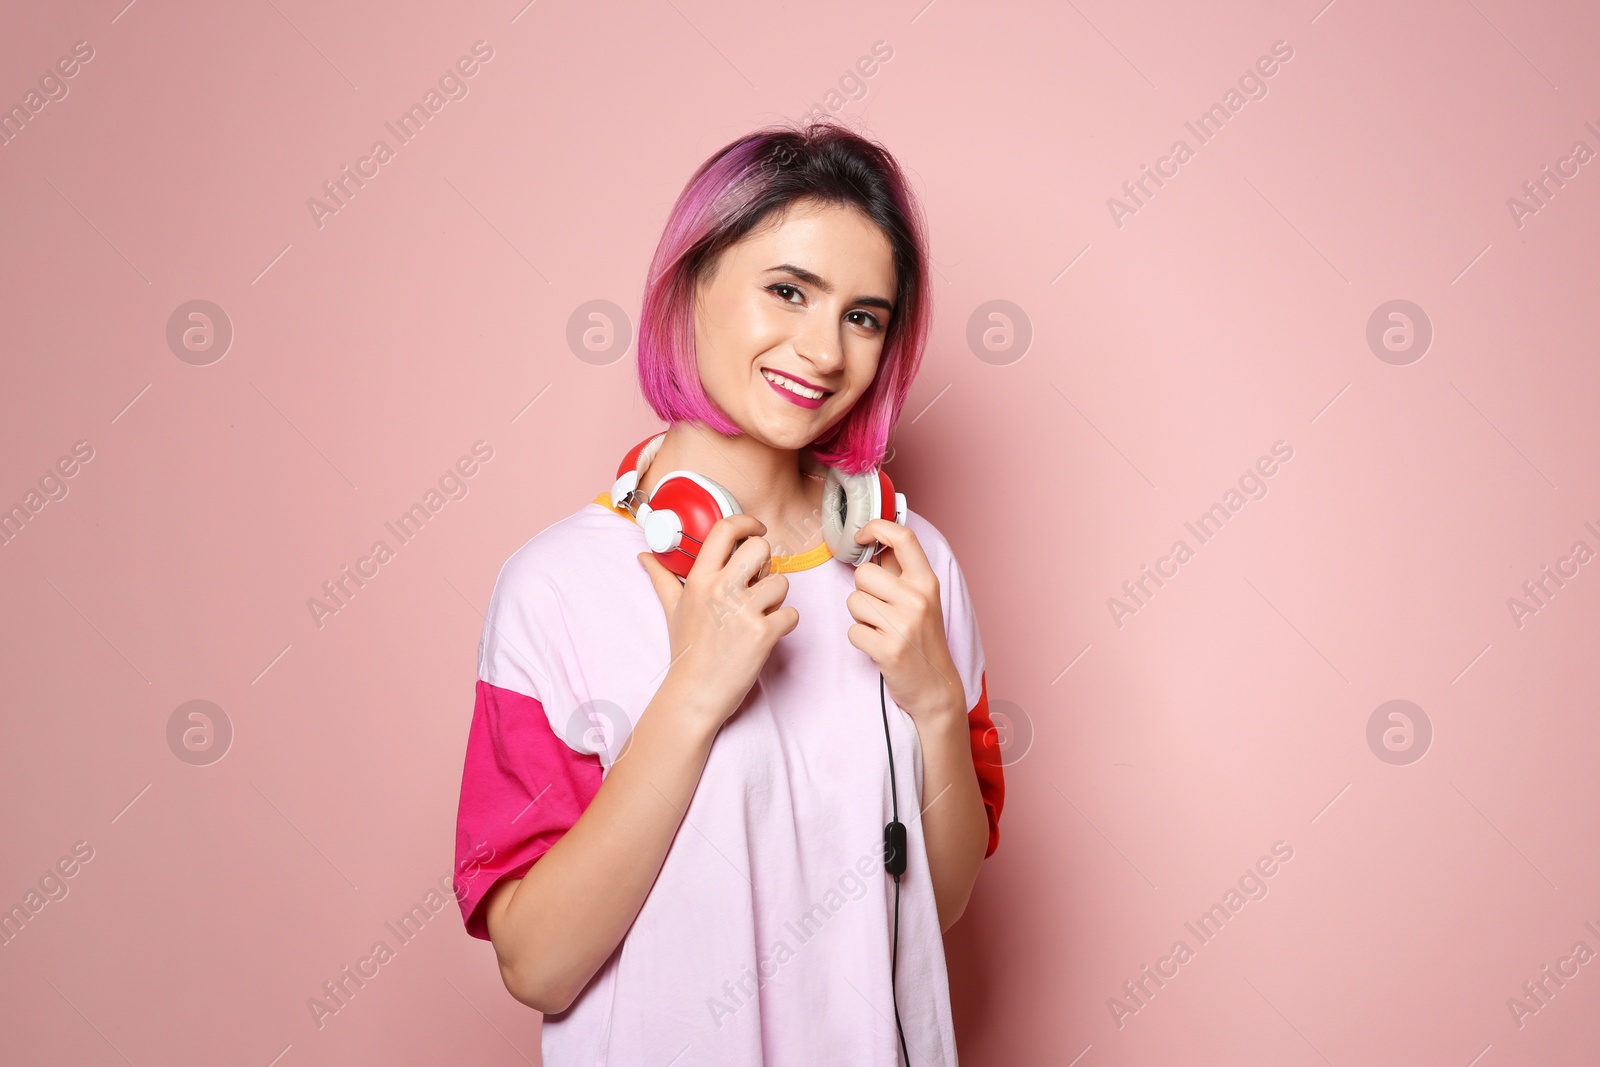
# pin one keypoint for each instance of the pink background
(1167, 354)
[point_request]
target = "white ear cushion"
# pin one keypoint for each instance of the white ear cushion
(833, 506)
(630, 479)
(649, 451)
(849, 502)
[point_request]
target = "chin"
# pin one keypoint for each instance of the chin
(790, 440)
(797, 434)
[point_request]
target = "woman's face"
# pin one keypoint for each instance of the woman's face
(807, 297)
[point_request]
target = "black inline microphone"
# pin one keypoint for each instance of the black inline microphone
(894, 847)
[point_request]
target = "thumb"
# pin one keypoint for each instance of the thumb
(668, 588)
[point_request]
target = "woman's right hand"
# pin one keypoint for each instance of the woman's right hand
(722, 627)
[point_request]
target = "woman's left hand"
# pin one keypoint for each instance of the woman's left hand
(900, 624)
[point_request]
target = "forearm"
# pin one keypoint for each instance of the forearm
(563, 920)
(955, 824)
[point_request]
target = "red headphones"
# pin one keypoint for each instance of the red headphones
(682, 508)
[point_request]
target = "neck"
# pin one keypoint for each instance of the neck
(767, 482)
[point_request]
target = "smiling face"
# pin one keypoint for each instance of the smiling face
(807, 298)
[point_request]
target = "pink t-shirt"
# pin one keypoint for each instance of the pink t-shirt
(766, 937)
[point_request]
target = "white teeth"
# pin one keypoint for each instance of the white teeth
(793, 386)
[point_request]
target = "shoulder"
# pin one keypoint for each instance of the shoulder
(955, 601)
(565, 549)
(953, 594)
(934, 545)
(554, 568)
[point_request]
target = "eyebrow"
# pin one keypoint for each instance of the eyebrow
(816, 280)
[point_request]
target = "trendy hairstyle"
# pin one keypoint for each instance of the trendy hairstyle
(733, 193)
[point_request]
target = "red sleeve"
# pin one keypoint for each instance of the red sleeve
(522, 787)
(986, 760)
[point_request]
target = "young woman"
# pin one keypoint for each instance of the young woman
(673, 810)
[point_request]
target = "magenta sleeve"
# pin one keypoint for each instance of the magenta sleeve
(522, 787)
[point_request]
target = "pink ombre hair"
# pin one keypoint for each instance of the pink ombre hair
(732, 193)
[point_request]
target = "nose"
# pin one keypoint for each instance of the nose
(820, 342)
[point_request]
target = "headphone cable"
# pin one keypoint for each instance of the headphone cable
(895, 863)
